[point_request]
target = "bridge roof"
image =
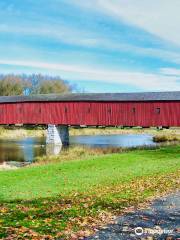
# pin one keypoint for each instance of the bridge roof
(97, 97)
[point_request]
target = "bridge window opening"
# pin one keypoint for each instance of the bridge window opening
(158, 110)
(133, 110)
(65, 109)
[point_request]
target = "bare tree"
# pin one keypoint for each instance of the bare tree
(46, 84)
(32, 84)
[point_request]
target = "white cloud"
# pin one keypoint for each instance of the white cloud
(89, 39)
(144, 81)
(160, 17)
(171, 71)
(62, 33)
(170, 56)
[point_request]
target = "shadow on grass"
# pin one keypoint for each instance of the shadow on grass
(59, 215)
(49, 216)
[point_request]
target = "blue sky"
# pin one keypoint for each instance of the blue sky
(98, 45)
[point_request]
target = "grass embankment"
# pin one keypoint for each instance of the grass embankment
(166, 138)
(83, 152)
(20, 132)
(70, 199)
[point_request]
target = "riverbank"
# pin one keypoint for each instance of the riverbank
(19, 132)
(5, 166)
(13, 165)
(71, 199)
(160, 138)
(82, 152)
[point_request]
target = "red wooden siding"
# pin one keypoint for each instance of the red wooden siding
(92, 113)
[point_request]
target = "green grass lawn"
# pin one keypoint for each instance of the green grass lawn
(67, 198)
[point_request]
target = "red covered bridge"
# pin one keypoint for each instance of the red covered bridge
(96, 109)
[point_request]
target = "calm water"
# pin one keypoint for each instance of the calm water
(27, 149)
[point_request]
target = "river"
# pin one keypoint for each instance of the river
(27, 149)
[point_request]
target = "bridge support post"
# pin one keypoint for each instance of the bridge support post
(57, 134)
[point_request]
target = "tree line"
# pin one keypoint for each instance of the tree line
(11, 84)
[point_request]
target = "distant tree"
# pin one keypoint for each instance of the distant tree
(53, 86)
(32, 84)
(45, 84)
(12, 85)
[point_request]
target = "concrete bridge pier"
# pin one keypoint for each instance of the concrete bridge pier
(57, 134)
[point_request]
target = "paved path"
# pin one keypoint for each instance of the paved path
(163, 215)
